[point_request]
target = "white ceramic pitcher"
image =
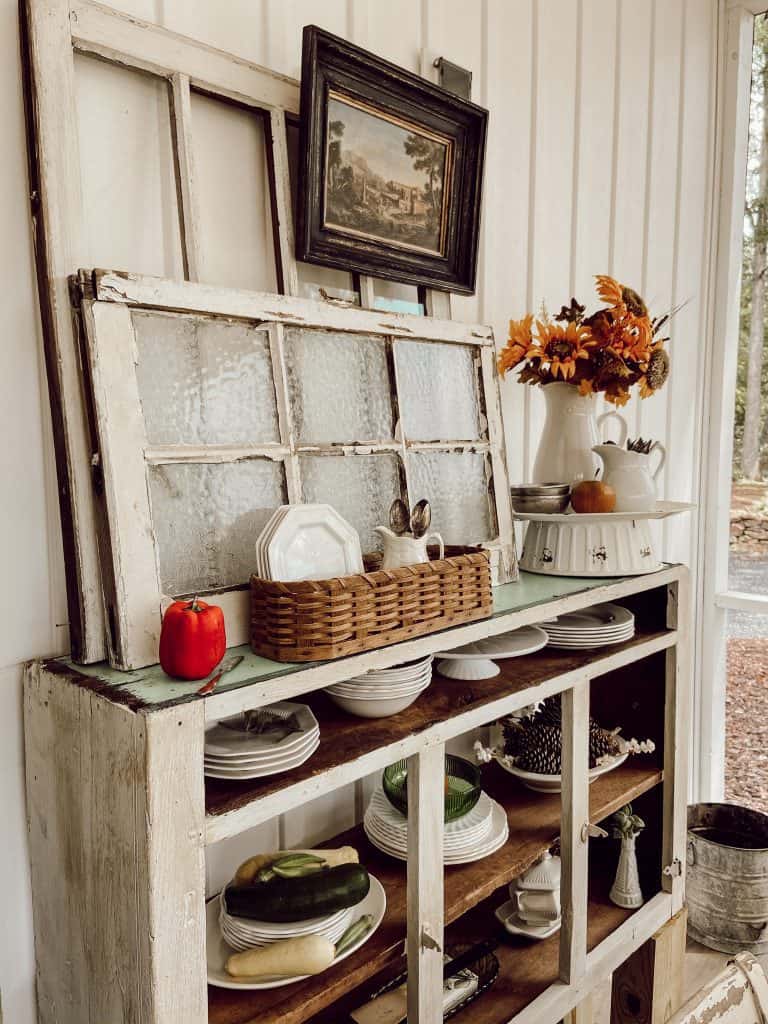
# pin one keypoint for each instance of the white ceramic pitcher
(629, 474)
(405, 549)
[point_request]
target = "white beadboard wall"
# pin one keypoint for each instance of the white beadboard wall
(599, 160)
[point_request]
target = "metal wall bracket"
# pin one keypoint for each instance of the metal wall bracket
(674, 870)
(455, 79)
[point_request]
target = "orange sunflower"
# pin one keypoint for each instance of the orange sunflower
(560, 345)
(519, 344)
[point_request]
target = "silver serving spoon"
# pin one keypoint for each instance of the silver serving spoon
(421, 517)
(399, 519)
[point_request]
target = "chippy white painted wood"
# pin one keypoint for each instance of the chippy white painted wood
(159, 293)
(424, 942)
(136, 612)
(156, 755)
(573, 840)
(739, 995)
(56, 211)
(677, 739)
(234, 822)
(181, 121)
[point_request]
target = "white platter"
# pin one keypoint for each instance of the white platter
(223, 741)
(474, 661)
(662, 510)
(553, 783)
(261, 771)
(313, 542)
(375, 903)
(262, 564)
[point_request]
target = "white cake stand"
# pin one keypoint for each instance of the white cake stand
(474, 661)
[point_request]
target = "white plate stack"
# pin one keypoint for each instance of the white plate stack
(383, 692)
(261, 742)
(307, 542)
(241, 933)
(599, 626)
(475, 835)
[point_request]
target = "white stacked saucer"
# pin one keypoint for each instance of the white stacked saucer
(261, 742)
(383, 692)
(599, 626)
(480, 832)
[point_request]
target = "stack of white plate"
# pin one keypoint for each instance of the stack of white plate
(599, 626)
(234, 751)
(480, 832)
(242, 933)
(307, 542)
(383, 692)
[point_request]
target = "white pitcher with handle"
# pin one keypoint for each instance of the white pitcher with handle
(405, 549)
(630, 475)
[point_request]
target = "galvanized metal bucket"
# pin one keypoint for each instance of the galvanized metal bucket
(727, 878)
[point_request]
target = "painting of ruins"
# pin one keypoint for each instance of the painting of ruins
(385, 179)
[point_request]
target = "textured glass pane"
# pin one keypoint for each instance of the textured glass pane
(360, 487)
(339, 386)
(455, 485)
(436, 387)
(204, 381)
(207, 519)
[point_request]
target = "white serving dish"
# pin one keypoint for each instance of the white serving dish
(553, 783)
(507, 915)
(312, 542)
(218, 952)
(376, 707)
(593, 544)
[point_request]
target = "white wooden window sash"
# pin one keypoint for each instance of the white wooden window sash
(52, 32)
(135, 587)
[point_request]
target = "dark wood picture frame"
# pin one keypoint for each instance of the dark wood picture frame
(427, 245)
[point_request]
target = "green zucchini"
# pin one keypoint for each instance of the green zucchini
(298, 899)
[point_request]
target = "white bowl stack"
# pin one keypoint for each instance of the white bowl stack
(242, 933)
(475, 835)
(383, 692)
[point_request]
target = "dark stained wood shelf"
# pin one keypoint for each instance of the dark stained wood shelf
(344, 738)
(534, 823)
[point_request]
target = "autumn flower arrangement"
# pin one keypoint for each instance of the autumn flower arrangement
(618, 346)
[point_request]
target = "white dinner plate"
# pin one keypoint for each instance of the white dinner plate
(313, 542)
(452, 846)
(263, 541)
(223, 741)
(283, 929)
(390, 817)
(598, 617)
(375, 903)
(252, 760)
(258, 772)
(240, 939)
(592, 646)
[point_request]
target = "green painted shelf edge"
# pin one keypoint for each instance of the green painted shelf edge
(151, 688)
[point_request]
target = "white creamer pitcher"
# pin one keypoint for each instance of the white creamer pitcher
(406, 549)
(630, 475)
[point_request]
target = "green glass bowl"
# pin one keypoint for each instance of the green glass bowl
(463, 786)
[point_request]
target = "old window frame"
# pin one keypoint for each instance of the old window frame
(129, 558)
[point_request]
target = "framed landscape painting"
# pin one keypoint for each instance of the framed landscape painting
(391, 169)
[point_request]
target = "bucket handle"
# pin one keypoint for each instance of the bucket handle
(691, 854)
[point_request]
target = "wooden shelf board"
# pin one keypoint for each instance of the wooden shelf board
(534, 823)
(345, 738)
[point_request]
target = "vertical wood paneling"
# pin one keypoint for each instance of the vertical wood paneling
(554, 142)
(507, 196)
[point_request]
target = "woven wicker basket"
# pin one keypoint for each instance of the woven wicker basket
(315, 620)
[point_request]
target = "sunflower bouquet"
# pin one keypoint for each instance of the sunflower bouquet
(617, 346)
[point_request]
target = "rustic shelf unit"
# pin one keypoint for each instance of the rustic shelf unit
(120, 816)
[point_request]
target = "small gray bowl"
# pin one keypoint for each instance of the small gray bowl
(540, 499)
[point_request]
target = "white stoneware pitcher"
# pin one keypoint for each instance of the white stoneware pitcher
(569, 437)
(630, 475)
(406, 549)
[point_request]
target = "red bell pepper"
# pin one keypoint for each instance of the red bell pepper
(192, 639)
